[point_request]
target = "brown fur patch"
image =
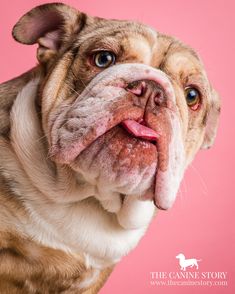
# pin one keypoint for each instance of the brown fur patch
(27, 267)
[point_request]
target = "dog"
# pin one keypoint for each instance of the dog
(93, 141)
(184, 263)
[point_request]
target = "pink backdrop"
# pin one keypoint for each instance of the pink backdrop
(201, 223)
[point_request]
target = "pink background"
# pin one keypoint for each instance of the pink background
(201, 223)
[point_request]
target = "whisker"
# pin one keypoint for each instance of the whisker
(71, 88)
(203, 183)
(41, 138)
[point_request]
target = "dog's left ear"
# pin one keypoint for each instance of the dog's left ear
(212, 120)
(49, 25)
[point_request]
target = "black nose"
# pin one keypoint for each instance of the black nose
(150, 90)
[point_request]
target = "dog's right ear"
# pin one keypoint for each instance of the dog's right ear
(49, 25)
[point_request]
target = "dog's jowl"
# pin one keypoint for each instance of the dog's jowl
(94, 140)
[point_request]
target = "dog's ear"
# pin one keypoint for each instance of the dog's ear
(211, 120)
(49, 25)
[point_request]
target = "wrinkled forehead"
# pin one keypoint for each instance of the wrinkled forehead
(119, 29)
(138, 42)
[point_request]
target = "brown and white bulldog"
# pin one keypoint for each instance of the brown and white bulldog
(93, 139)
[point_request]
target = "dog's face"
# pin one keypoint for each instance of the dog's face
(125, 107)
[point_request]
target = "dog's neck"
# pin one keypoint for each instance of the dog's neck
(8, 93)
(73, 224)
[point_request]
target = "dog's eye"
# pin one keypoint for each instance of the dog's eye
(104, 59)
(193, 97)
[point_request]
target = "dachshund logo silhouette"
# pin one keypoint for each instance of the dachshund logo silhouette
(184, 263)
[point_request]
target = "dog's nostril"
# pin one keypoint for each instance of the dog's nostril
(159, 97)
(148, 89)
(136, 87)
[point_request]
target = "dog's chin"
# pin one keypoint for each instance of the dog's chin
(117, 162)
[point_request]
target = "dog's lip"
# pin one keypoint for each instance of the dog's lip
(139, 130)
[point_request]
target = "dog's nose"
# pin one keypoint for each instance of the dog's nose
(152, 92)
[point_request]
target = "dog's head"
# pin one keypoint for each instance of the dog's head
(125, 107)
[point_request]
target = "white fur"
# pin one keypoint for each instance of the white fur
(83, 226)
(135, 213)
(89, 280)
(26, 139)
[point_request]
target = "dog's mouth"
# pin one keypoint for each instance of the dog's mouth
(121, 135)
(124, 159)
(140, 130)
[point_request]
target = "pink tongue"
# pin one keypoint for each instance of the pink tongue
(138, 130)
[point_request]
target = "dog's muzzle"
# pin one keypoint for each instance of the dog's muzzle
(153, 95)
(124, 104)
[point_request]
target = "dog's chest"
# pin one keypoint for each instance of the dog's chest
(72, 229)
(44, 270)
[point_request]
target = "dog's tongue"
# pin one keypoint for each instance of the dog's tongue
(139, 130)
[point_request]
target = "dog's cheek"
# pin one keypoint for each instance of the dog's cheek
(211, 120)
(56, 91)
(195, 134)
(193, 143)
(191, 133)
(66, 80)
(83, 71)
